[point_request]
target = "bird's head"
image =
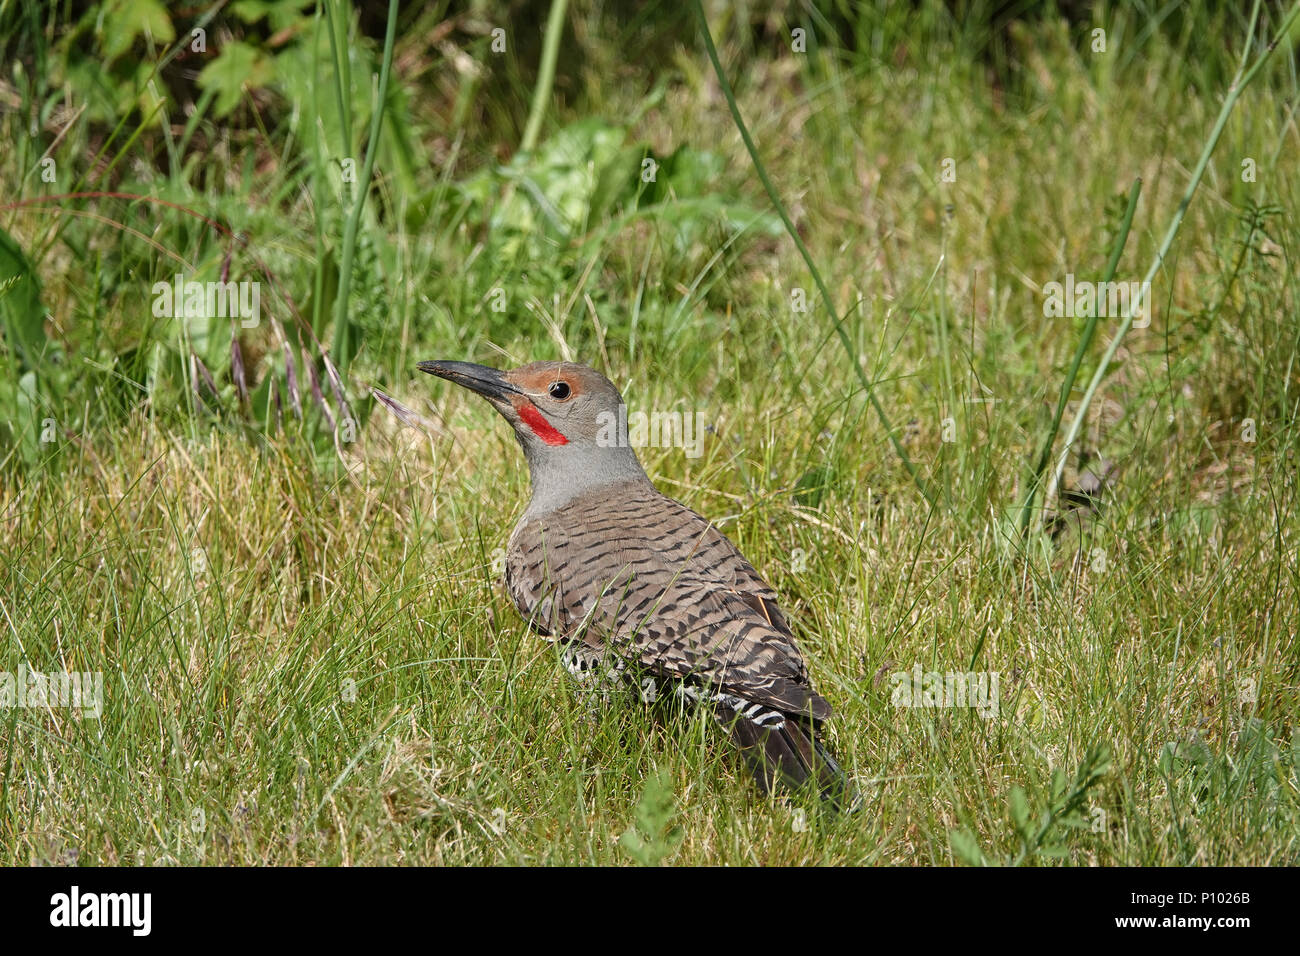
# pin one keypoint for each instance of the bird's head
(566, 416)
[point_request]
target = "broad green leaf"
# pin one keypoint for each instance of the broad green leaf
(237, 66)
(22, 316)
(280, 13)
(125, 20)
(965, 847)
(1019, 809)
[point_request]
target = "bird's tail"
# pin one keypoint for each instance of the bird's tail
(788, 750)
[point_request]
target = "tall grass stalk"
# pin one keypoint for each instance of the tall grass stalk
(827, 298)
(1067, 386)
(1239, 84)
(545, 75)
(342, 346)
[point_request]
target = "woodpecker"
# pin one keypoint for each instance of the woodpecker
(634, 584)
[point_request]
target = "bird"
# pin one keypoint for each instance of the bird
(636, 586)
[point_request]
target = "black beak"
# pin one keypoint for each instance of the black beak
(489, 382)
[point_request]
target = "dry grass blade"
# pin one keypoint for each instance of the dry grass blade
(403, 414)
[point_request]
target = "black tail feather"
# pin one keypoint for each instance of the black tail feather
(789, 752)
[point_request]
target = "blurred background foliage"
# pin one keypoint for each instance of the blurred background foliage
(230, 137)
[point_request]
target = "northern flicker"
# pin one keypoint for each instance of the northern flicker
(633, 583)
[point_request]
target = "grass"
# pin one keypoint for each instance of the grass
(308, 656)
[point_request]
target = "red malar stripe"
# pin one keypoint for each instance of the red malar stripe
(540, 426)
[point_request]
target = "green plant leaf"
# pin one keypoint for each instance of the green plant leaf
(22, 316)
(280, 13)
(966, 848)
(127, 19)
(237, 66)
(1019, 809)
(652, 837)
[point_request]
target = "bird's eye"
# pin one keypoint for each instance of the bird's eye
(559, 391)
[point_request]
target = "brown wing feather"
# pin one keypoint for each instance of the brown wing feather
(653, 581)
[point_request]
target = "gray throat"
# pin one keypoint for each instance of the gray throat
(556, 483)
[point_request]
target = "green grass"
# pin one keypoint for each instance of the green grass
(308, 655)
